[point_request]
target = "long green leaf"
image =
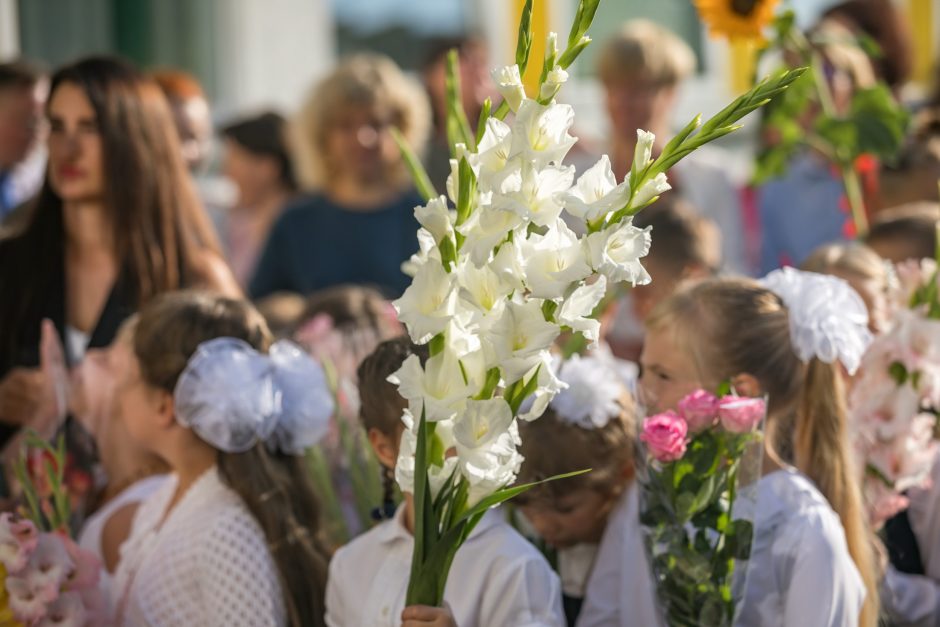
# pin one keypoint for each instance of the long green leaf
(418, 174)
(458, 127)
(501, 496)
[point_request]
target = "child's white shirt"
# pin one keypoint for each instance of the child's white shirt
(497, 578)
(620, 589)
(800, 572)
(205, 563)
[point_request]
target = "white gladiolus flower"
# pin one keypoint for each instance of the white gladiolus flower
(428, 303)
(451, 184)
(644, 149)
(427, 252)
(437, 218)
(487, 438)
(439, 388)
(533, 193)
(540, 132)
(507, 264)
(616, 252)
(596, 193)
(509, 84)
(481, 289)
(405, 466)
(553, 81)
(493, 149)
(576, 309)
(548, 386)
(487, 227)
(553, 261)
(650, 190)
(519, 337)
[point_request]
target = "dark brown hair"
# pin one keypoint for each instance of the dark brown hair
(351, 306)
(20, 74)
(914, 224)
(275, 488)
(681, 238)
(265, 135)
(159, 226)
(381, 405)
(553, 446)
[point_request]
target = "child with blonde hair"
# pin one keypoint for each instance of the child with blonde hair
(789, 338)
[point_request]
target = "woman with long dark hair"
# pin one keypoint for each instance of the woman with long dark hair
(117, 222)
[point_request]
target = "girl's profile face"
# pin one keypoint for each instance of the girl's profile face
(76, 158)
(667, 373)
(572, 519)
(135, 401)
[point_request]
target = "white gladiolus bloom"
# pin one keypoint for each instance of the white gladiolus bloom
(405, 466)
(437, 218)
(553, 261)
(509, 84)
(548, 386)
(428, 303)
(576, 310)
(540, 132)
(533, 193)
(507, 264)
(487, 438)
(553, 81)
(493, 149)
(439, 388)
(481, 290)
(616, 252)
(486, 228)
(427, 252)
(596, 193)
(650, 190)
(644, 149)
(519, 337)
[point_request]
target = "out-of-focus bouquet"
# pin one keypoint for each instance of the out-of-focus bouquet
(896, 397)
(47, 578)
(697, 470)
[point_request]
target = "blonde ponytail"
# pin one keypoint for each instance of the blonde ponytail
(821, 451)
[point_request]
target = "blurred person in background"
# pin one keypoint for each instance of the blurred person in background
(257, 161)
(191, 114)
(358, 225)
(116, 222)
(806, 207)
(905, 232)
(23, 90)
(475, 85)
(642, 68)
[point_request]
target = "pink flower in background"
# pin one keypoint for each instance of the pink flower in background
(18, 538)
(27, 604)
(66, 611)
(665, 435)
(740, 414)
(699, 409)
(48, 568)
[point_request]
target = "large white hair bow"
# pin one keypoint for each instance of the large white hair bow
(233, 397)
(828, 319)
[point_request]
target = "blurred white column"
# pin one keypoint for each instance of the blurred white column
(270, 53)
(9, 30)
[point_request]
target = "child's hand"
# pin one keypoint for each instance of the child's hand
(424, 616)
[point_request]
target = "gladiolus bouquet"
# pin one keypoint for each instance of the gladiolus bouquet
(500, 274)
(694, 468)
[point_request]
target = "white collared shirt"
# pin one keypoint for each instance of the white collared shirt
(498, 579)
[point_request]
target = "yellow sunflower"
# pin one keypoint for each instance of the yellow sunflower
(737, 19)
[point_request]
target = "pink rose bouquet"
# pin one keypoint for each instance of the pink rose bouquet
(693, 464)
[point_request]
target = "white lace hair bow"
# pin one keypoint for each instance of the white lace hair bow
(592, 396)
(828, 319)
(232, 397)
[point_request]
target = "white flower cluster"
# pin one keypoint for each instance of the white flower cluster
(499, 277)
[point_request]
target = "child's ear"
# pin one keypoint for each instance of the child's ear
(165, 408)
(746, 385)
(385, 447)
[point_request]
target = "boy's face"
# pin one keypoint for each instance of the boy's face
(575, 518)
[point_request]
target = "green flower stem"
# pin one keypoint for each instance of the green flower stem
(418, 174)
(853, 192)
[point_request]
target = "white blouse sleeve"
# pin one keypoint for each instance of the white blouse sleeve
(238, 575)
(910, 600)
(526, 595)
(335, 608)
(824, 586)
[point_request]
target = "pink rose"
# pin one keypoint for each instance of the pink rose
(740, 414)
(665, 435)
(699, 409)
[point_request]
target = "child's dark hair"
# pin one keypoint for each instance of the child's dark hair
(552, 446)
(381, 406)
(913, 225)
(275, 488)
